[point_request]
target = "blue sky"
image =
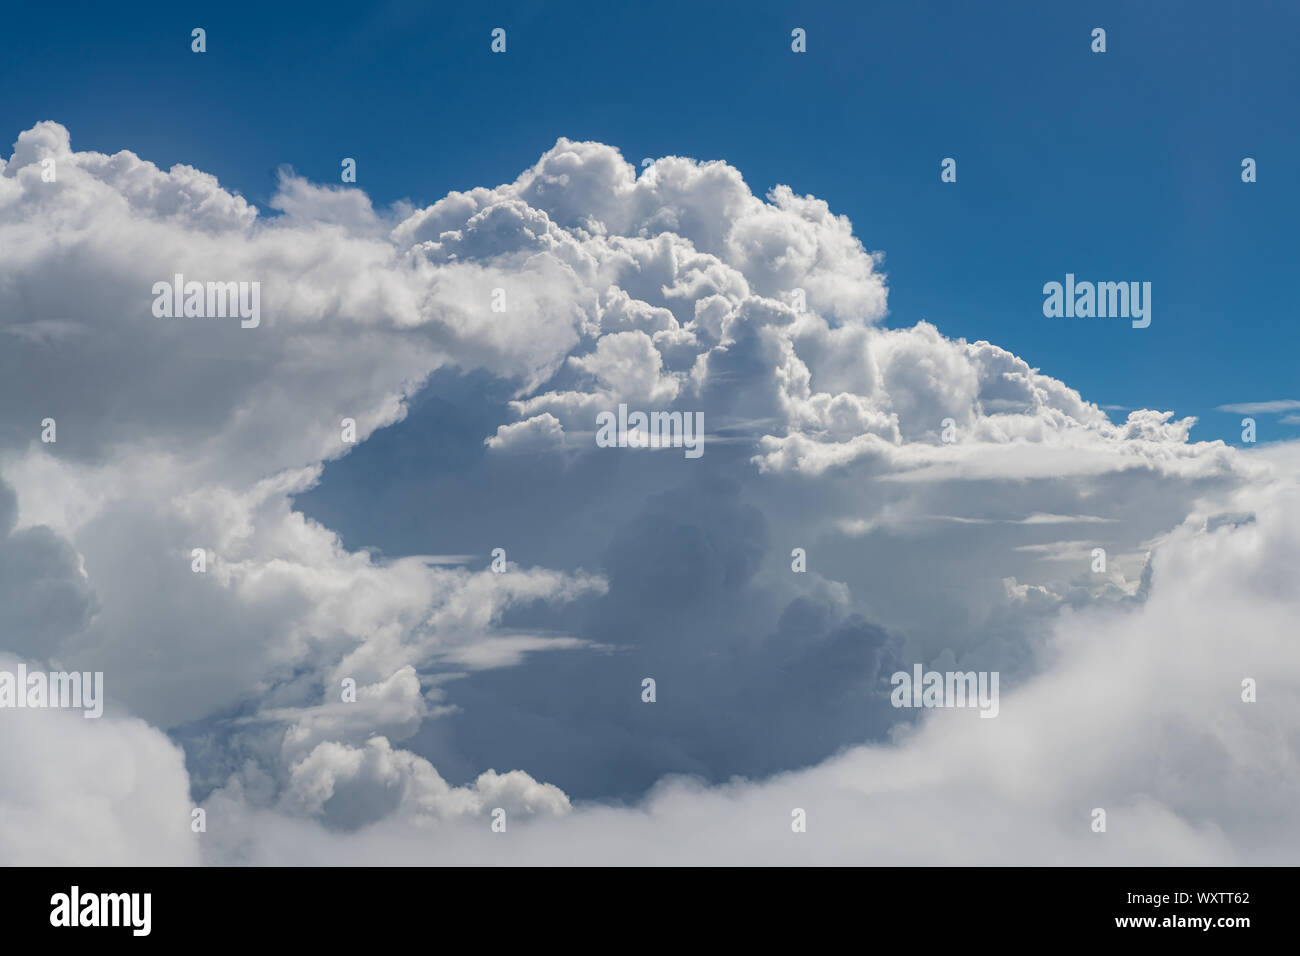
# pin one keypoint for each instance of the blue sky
(1122, 166)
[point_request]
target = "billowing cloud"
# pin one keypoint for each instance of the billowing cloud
(238, 524)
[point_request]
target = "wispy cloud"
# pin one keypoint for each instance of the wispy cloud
(1261, 408)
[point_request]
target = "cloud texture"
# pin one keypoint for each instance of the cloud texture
(673, 288)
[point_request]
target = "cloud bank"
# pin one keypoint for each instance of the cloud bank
(948, 498)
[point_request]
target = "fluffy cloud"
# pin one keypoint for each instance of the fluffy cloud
(673, 289)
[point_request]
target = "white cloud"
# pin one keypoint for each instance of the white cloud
(1261, 408)
(540, 433)
(673, 288)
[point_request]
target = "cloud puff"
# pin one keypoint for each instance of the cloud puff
(353, 785)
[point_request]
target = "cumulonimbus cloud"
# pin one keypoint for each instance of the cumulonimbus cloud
(584, 284)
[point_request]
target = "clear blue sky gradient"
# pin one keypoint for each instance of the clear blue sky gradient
(1122, 166)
